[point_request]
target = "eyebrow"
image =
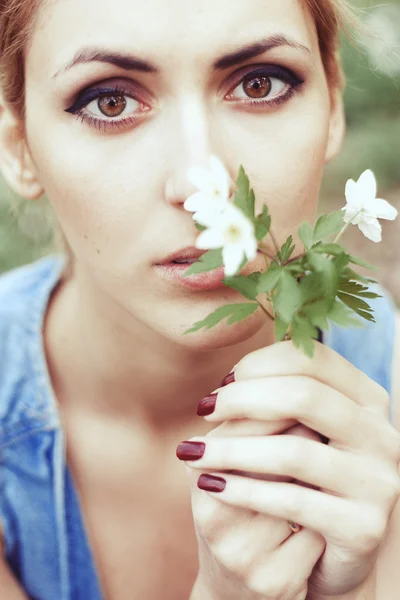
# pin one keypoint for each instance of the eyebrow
(131, 63)
(257, 49)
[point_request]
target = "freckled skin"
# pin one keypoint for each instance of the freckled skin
(109, 189)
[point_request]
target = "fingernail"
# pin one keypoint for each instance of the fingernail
(206, 406)
(230, 378)
(210, 483)
(190, 450)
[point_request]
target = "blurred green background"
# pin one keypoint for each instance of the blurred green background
(372, 100)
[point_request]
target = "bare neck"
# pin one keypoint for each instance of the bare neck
(105, 369)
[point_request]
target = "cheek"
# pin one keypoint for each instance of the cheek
(100, 188)
(284, 158)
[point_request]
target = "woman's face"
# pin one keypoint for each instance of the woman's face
(115, 170)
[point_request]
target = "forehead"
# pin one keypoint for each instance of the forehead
(163, 30)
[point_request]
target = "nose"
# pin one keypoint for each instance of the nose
(193, 144)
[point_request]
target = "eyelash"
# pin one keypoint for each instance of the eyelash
(272, 72)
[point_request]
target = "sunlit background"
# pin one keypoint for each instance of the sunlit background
(373, 142)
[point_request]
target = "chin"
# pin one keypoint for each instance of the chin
(220, 336)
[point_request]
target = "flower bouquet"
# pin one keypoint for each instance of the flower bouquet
(300, 291)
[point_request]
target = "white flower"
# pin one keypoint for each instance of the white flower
(213, 194)
(364, 209)
(233, 232)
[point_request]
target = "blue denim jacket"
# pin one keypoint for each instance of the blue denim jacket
(46, 544)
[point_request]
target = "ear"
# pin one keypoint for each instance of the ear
(16, 163)
(337, 125)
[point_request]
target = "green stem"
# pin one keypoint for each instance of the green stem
(277, 249)
(342, 231)
(264, 251)
(266, 311)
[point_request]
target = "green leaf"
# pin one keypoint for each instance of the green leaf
(306, 234)
(287, 299)
(350, 274)
(303, 334)
(287, 250)
(295, 267)
(361, 263)
(332, 249)
(251, 203)
(208, 262)
(328, 224)
(357, 289)
(327, 270)
(357, 305)
(343, 316)
(244, 197)
(369, 295)
(340, 262)
(366, 315)
(200, 227)
(234, 313)
(245, 285)
(270, 279)
(280, 329)
(317, 313)
(262, 224)
(312, 287)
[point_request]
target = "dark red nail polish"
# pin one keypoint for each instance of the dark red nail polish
(210, 483)
(190, 450)
(230, 378)
(207, 406)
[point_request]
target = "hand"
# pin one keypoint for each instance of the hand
(234, 542)
(356, 478)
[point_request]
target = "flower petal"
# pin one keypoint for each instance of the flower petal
(236, 217)
(196, 202)
(220, 175)
(232, 255)
(352, 214)
(201, 178)
(366, 187)
(372, 229)
(250, 247)
(383, 210)
(210, 239)
(351, 193)
(206, 218)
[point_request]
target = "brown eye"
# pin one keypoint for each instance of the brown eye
(260, 86)
(112, 106)
(257, 87)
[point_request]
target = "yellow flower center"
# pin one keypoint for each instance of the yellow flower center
(232, 234)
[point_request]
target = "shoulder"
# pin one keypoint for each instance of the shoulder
(24, 294)
(24, 281)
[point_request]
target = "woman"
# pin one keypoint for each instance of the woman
(105, 107)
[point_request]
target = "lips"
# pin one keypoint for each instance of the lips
(188, 255)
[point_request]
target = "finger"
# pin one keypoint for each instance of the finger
(284, 359)
(345, 474)
(344, 522)
(244, 543)
(214, 520)
(316, 405)
(251, 427)
(246, 428)
(288, 569)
